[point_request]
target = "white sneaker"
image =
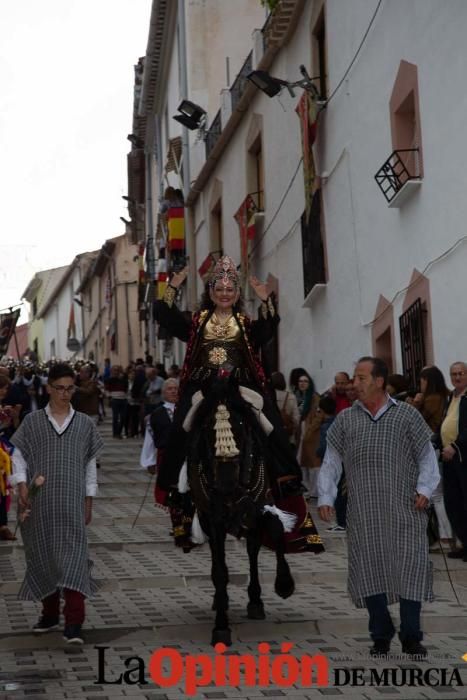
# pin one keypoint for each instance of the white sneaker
(336, 530)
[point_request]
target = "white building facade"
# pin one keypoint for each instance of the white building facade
(194, 51)
(63, 319)
(392, 263)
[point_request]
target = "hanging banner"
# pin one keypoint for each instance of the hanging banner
(7, 328)
(206, 268)
(141, 275)
(71, 330)
(307, 111)
(162, 278)
(176, 229)
(245, 218)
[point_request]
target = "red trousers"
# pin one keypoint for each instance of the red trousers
(73, 609)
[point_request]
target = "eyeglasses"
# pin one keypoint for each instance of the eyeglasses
(63, 389)
(457, 374)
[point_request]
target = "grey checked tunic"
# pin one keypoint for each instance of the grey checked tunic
(387, 540)
(54, 534)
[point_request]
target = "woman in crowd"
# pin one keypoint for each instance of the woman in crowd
(431, 402)
(309, 435)
(304, 392)
(432, 398)
(288, 407)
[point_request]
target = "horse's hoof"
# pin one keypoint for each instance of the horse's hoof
(284, 586)
(255, 611)
(221, 636)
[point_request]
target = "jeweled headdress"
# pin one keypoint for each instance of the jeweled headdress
(225, 271)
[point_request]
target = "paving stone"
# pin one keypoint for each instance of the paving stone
(155, 596)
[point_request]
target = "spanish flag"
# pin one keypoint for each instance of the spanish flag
(162, 281)
(162, 278)
(176, 228)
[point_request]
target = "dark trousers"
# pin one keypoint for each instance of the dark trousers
(340, 504)
(119, 410)
(380, 623)
(3, 511)
(133, 418)
(455, 497)
(73, 609)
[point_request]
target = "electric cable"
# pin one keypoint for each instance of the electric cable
(409, 286)
(355, 56)
(278, 209)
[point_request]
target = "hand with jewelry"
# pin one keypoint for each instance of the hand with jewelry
(259, 288)
(178, 278)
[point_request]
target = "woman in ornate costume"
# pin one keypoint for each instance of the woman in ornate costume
(222, 339)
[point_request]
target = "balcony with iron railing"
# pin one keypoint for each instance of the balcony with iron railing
(399, 176)
(258, 200)
(240, 82)
(236, 93)
(213, 133)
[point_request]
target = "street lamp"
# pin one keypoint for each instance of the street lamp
(272, 86)
(265, 82)
(191, 115)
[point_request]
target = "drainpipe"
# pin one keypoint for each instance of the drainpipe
(150, 252)
(189, 241)
(128, 323)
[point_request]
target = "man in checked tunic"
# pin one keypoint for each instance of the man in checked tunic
(61, 445)
(391, 470)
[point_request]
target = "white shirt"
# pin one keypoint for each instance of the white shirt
(331, 468)
(148, 457)
(20, 465)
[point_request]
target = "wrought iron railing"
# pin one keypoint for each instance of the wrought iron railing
(401, 166)
(412, 334)
(258, 199)
(213, 133)
(240, 82)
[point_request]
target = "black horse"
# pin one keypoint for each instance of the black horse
(228, 479)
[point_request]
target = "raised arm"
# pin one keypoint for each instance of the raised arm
(167, 314)
(263, 329)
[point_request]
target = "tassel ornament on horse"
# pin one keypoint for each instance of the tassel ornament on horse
(225, 441)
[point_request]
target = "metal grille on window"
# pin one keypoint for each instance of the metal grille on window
(312, 247)
(412, 333)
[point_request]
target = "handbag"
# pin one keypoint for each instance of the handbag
(287, 420)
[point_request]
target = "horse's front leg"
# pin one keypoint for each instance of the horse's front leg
(220, 579)
(255, 608)
(284, 584)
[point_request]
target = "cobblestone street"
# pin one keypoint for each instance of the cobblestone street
(153, 596)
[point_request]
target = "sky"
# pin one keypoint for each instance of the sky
(66, 103)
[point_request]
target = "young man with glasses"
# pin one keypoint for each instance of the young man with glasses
(61, 445)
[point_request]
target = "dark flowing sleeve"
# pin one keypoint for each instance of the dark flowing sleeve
(171, 318)
(262, 330)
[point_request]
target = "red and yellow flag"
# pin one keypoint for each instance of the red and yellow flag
(176, 229)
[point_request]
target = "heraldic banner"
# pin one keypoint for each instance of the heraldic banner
(7, 328)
